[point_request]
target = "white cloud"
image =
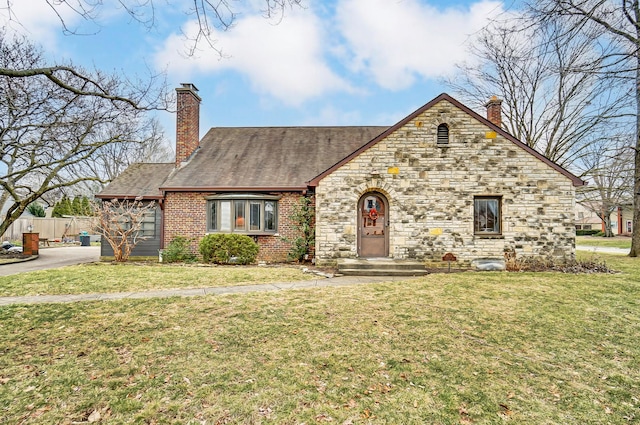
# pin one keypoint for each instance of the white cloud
(37, 20)
(285, 61)
(395, 42)
(330, 115)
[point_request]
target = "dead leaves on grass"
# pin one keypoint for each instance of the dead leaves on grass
(94, 416)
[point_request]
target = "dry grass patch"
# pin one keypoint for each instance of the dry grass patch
(111, 277)
(460, 348)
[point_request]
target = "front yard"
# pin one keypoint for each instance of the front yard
(614, 242)
(113, 277)
(460, 348)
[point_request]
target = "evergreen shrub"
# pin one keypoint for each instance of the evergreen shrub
(179, 251)
(223, 248)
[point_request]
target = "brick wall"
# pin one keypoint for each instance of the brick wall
(431, 188)
(187, 122)
(186, 215)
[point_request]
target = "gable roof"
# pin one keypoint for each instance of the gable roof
(138, 180)
(574, 179)
(265, 158)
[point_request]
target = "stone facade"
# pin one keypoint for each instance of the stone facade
(185, 214)
(430, 189)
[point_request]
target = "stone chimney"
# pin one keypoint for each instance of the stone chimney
(187, 121)
(494, 111)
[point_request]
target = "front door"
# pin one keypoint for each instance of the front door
(372, 227)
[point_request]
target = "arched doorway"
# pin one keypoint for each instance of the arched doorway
(373, 235)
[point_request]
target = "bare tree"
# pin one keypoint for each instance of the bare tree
(619, 21)
(210, 15)
(150, 92)
(145, 142)
(554, 100)
(610, 175)
(120, 224)
(49, 134)
(43, 147)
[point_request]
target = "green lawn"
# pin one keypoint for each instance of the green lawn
(460, 348)
(112, 277)
(615, 242)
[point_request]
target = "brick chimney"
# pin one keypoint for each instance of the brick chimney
(187, 121)
(494, 111)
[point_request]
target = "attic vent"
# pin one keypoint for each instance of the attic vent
(443, 134)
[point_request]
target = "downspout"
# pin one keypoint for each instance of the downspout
(161, 205)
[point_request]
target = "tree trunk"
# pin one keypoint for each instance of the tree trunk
(607, 226)
(635, 235)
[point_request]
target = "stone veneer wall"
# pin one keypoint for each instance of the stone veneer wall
(431, 189)
(186, 215)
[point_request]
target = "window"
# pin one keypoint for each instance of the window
(486, 215)
(247, 214)
(146, 223)
(443, 134)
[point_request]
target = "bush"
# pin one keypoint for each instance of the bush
(36, 210)
(228, 249)
(179, 250)
(302, 218)
(541, 264)
(587, 232)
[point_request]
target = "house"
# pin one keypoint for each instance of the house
(442, 180)
(623, 223)
(586, 219)
(621, 219)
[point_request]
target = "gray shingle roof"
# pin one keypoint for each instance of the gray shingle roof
(142, 179)
(264, 158)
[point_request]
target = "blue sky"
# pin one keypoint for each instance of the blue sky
(339, 62)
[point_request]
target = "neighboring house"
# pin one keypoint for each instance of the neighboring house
(586, 219)
(442, 180)
(621, 219)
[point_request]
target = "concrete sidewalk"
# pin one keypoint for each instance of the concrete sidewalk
(603, 249)
(166, 293)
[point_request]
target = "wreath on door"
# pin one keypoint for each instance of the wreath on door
(373, 214)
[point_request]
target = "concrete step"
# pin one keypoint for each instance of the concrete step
(380, 267)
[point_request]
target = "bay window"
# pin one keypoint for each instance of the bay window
(242, 213)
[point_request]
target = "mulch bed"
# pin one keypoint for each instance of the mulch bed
(10, 257)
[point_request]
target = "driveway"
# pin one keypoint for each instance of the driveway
(51, 258)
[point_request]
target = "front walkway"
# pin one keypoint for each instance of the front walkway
(165, 293)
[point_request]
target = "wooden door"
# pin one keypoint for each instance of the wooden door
(372, 227)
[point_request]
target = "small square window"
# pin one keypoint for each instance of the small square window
(486, 215)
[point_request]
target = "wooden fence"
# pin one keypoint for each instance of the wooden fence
(49, 228)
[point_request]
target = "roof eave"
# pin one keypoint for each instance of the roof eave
(128, 196)
(234, 189)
